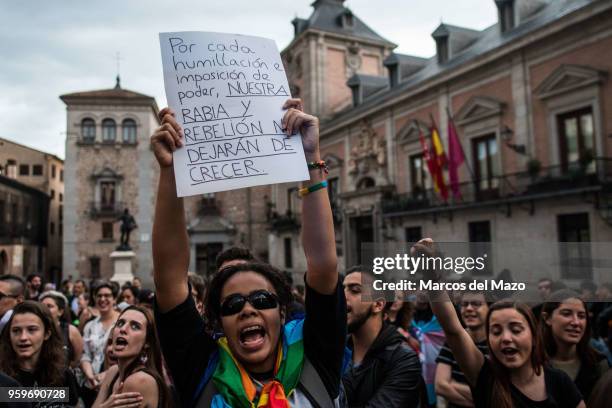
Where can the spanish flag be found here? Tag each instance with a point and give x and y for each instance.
(439, 161)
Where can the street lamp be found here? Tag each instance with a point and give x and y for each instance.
(506, 134)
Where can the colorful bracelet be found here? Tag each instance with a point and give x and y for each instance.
(311, 189)
(320, 165)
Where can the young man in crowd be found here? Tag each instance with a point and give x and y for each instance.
(450, 381)
(12, 292)
(384, 371)
(34, 286)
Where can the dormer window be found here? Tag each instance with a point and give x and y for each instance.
(505, 10)
(442, 49)
(347, 19)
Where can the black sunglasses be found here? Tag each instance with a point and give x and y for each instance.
(259, 299)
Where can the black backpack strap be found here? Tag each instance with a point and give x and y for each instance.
(205, 399)
(313, 386)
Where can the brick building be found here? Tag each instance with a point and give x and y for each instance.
(532, 103)
(45, 173)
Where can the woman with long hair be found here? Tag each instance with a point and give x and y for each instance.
(95, 334)
(566, 329)
(73, 341)
(31, 350)
(137, 378)
(516, 373)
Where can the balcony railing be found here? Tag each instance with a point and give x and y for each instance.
(102, 209)
(547, 181)
(285, 222)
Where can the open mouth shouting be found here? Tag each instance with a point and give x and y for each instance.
(119, 344)
(510, 353)
(252, 337)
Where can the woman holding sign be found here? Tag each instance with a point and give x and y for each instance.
(261, 360)
(516, 373)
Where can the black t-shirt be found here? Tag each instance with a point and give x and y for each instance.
(446, 357)
(29, 379)
(6, 381)
(187, 347)
(560, 390)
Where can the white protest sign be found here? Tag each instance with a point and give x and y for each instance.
(228, 91)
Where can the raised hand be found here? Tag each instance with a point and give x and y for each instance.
(296, 120)
(167, 138)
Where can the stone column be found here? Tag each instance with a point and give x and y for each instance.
(122, 266)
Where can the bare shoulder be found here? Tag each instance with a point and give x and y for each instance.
(141, 382)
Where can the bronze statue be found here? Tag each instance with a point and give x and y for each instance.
(128, 223)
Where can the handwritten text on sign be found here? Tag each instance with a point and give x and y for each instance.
(227, 91)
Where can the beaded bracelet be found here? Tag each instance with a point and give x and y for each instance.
(310, 189)
(320, 165)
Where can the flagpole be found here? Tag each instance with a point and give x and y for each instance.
(467, 162)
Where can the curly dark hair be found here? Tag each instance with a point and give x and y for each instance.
(52, 358)
(273, 275)
(232, 254)
(152, 351)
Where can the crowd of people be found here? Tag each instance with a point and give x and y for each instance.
(248, 336)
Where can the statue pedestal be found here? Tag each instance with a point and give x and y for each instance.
(122, 266)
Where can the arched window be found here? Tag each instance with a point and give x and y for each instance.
(366, 182)
(88, 130)
(129, 131)
(109, 131)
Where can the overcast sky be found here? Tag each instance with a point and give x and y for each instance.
(53, 47)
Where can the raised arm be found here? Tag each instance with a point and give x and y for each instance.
(318, 236)
(469, 358)
(170, 241)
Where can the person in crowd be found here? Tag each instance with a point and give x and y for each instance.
(198, 290)
(136, 282)
(515, 374)
(566, 328)
(451, 384)
(600, 397)
(12, 292)
(129, 295)
(138, 375)
(261, 361)
(34, 285)
(48, 287)
(384, 371)
(31, 350)
(86, 313)
(431, 339)
(77, 290)
(233, 256)
(146, 298)
(403, 321)
(393, 308)
(295, 311)
(72, 339)
(544, 290)
(95, 335)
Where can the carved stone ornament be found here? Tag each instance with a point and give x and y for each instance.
(369, 156)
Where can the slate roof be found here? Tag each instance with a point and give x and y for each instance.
(116, 95)
(327, 16)
(487, 40)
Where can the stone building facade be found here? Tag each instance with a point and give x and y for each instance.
(109, 167)
(530, 97)
(43, 172)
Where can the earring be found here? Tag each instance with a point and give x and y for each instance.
(143, 358)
